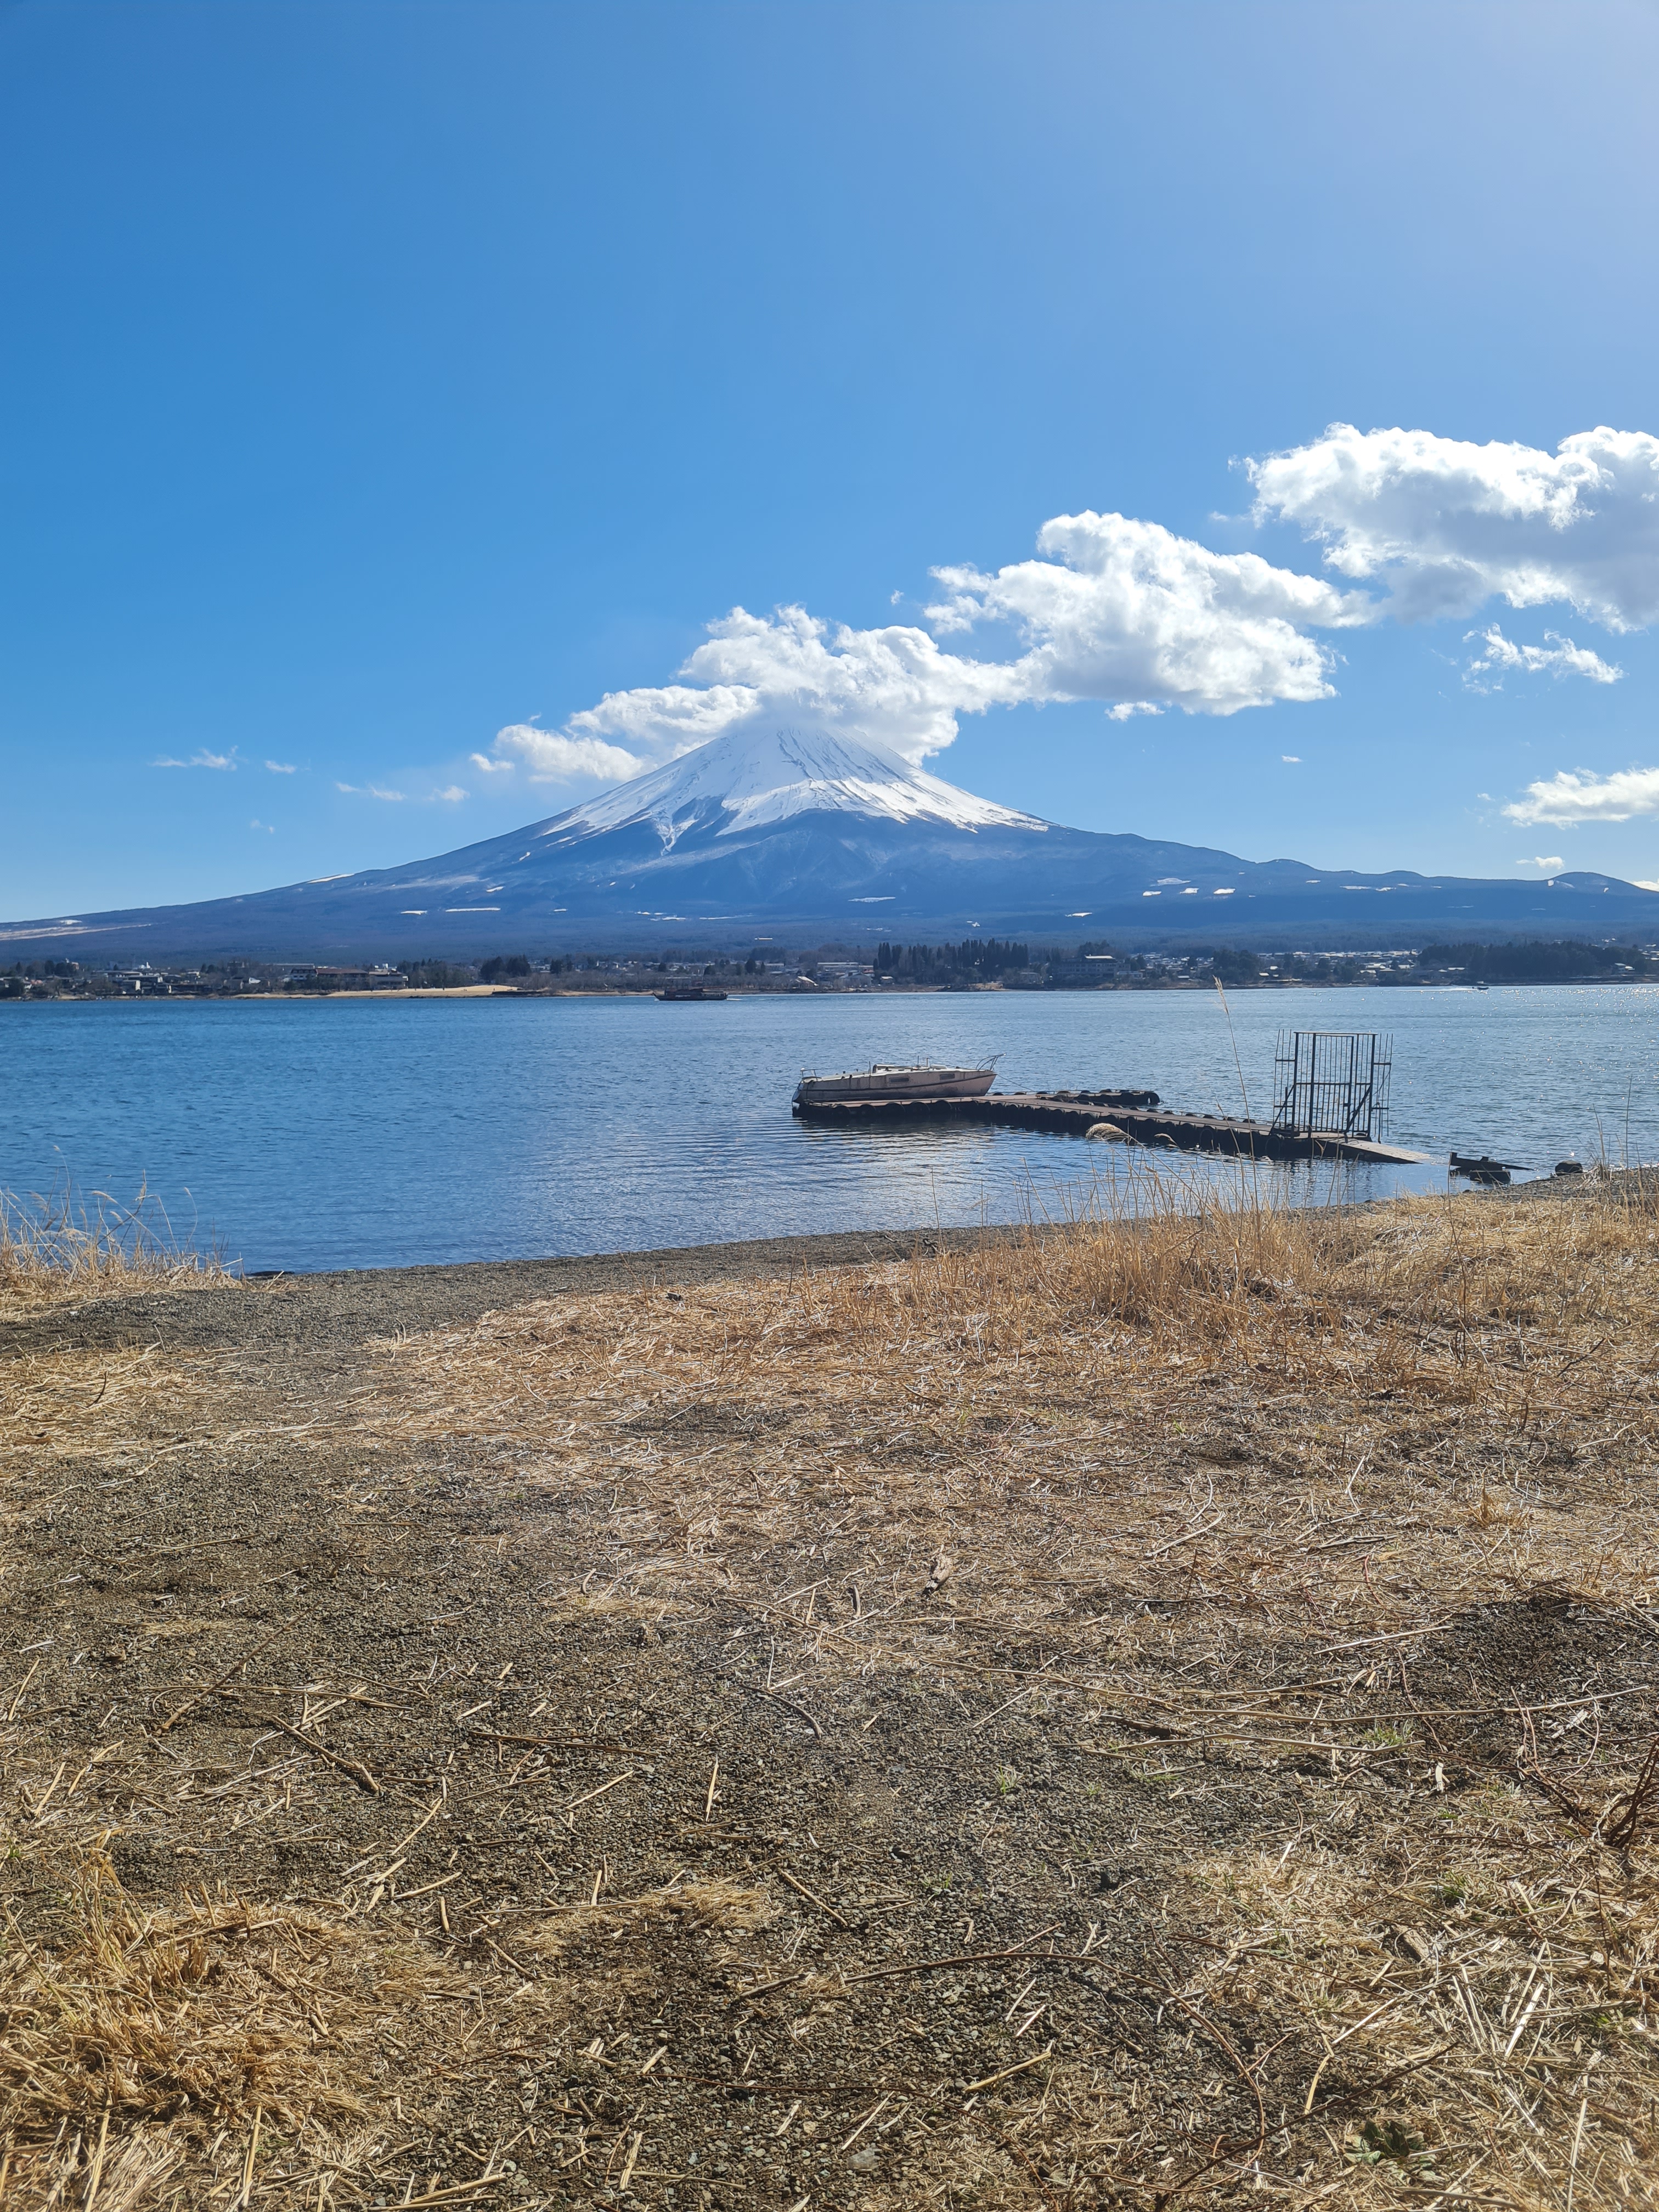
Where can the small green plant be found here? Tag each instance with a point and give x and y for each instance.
(1391, 2143)
(1007, 1779)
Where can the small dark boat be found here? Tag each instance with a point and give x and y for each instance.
(674, 994)
(1484, 1169)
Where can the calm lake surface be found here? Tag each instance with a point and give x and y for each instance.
(365, 1132)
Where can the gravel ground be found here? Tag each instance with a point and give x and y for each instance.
(312, 1311)
(605, 1852)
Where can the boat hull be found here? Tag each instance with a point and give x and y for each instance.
(887, 1083)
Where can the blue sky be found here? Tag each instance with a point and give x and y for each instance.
(386, 385)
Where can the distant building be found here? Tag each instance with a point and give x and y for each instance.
(322, 978)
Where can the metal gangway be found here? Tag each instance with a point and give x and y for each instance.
(1333, 1083)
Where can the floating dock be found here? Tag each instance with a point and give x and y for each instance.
(1074, 1113)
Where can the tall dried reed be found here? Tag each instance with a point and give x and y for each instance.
(1264, 1281)
(57, 1245)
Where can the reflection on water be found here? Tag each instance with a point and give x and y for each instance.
(1056, 1179)
(354, 1134)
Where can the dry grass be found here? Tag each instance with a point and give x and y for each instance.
(144, 2053)
(201, 2009)
(1367, 1356)
(1265, 1523)
(52, 1249)
(725, 1905)
(1275, 1428)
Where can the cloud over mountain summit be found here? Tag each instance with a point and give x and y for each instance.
(1125, 612)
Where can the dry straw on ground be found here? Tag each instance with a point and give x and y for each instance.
(1414, 1374)
(1261, 1613)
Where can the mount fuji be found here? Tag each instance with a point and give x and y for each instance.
(830, 838)
(735, 784)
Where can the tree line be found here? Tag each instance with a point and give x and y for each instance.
(975, 956)
(1536, 961)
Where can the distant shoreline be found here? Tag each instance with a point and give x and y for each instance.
(729, 991)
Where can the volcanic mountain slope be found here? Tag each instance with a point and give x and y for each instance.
(827, 838)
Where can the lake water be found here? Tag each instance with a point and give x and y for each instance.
(370, 1133)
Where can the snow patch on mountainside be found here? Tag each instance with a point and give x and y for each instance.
(753, 779)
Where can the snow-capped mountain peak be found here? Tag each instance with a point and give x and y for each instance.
(755, 778)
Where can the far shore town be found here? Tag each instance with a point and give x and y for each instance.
(976, 964)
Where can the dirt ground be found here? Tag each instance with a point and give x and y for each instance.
(990, 1723)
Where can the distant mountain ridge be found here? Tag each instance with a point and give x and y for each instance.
(823, 838)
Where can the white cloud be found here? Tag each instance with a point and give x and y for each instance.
(1576, 795)
(1291, 760)
(894, 685)
(202, 759)
(1558, 656)
(370, 791)
(1119, 612)
(1127, 612)
(451, 794)
(1451, 524)
(550, 757)
(280, 767)
(1551, 863)
(269, 828)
